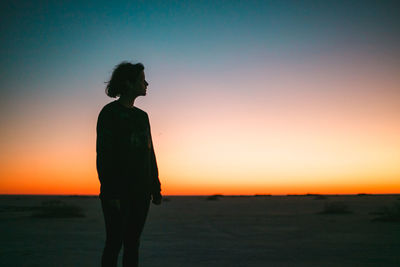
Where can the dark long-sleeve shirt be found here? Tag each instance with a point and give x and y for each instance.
(126, 162)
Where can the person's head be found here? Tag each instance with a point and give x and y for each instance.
(127, 79)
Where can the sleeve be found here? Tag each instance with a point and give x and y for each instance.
(156, 185)
(105, 148)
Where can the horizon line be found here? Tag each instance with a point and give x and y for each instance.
(221, 195)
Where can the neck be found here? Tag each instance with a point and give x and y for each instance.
(127, 101)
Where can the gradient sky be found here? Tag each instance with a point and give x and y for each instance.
(245, 97)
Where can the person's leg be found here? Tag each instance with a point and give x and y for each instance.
(136, 212)
(113, 222)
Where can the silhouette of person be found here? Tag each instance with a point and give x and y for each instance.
(126, 165)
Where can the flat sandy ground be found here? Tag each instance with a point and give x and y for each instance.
(193, 231)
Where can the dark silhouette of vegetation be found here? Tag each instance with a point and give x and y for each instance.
(83, 196)
(320, 197)
(214, 197)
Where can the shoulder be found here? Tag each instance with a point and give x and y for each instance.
(107, 112)
(108, 108)
(141, 112)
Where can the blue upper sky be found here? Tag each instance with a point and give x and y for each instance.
(59, 41)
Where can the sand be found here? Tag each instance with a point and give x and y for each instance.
(194, 231)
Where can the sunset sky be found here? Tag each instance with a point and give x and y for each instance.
(245, 97)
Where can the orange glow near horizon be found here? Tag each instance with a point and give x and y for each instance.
(283, 137)
(240, 156)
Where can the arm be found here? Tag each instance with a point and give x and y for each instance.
(155, 185)
(106, 159)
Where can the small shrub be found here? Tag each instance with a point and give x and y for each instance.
(320, 197)
(335, 208)
(58, 209)
(388, 214)
(214, 197)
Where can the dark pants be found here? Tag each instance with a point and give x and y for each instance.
(124, 223)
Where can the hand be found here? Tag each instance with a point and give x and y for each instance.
(157, 197)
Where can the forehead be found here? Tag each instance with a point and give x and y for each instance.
(141, 75)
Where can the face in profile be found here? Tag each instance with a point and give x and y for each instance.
(141, 85)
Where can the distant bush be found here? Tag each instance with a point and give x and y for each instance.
(214, 197)
(320, 197)
(58, 209)
(335, 208)
(83, 196)
(388, 214)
